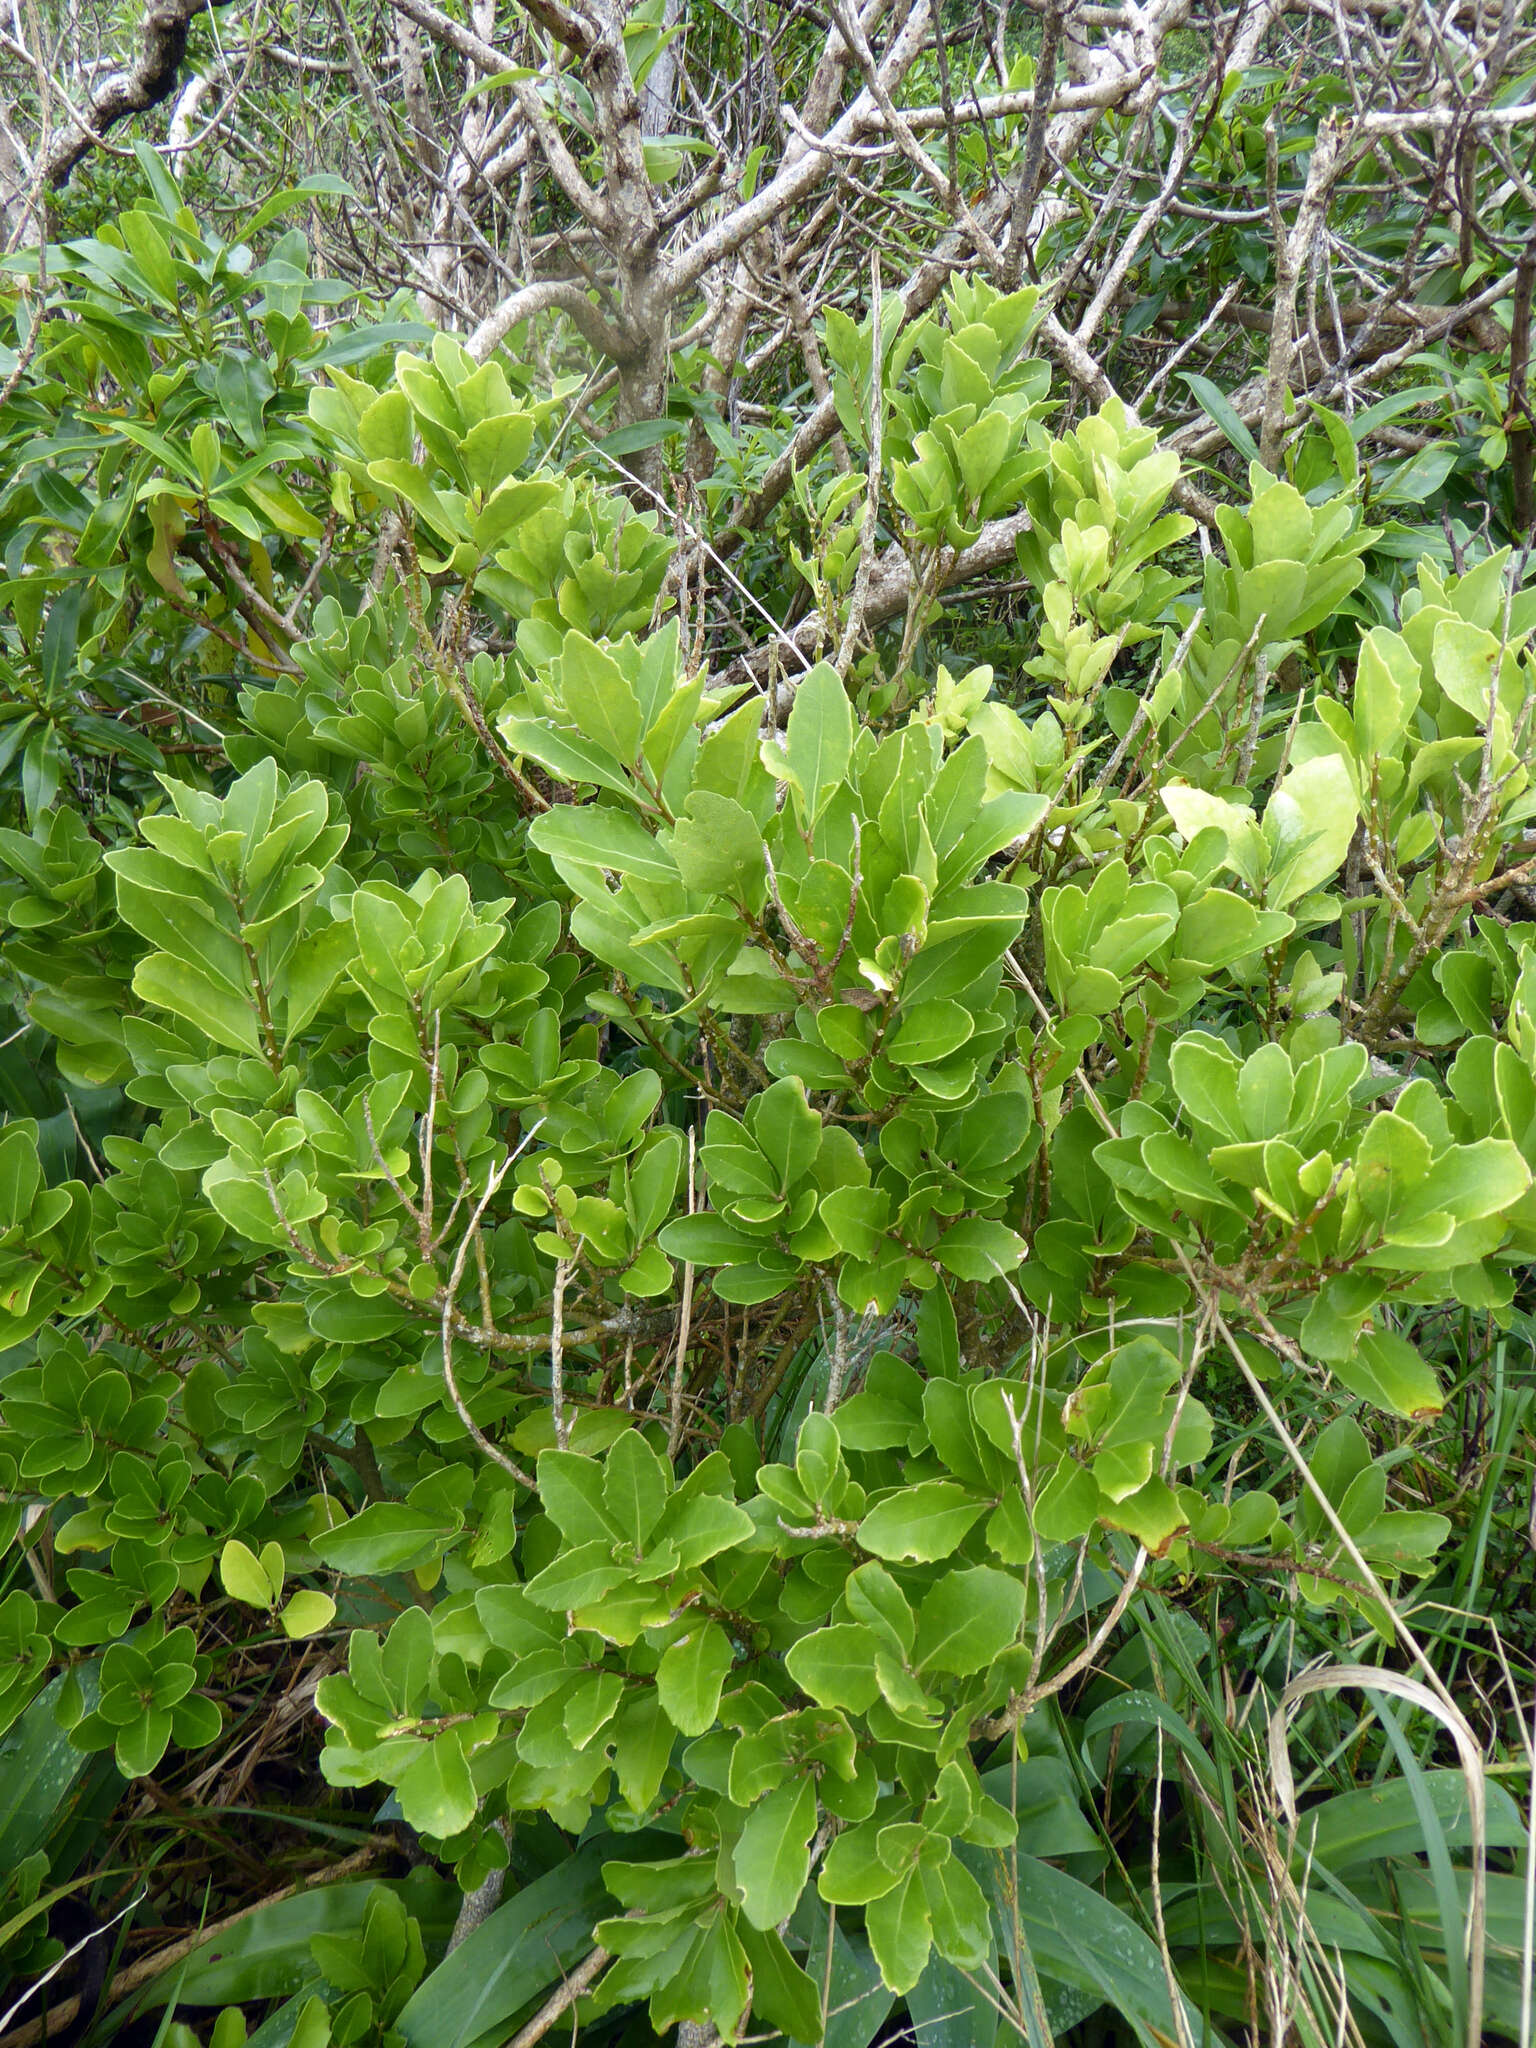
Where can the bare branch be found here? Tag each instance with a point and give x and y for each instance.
(555, 293)
(150, 79)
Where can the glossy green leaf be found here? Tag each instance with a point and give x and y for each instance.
(923, 1522)
(242, 1576)
(437, 1794)
(174, 985)
(966, 1619)
(818, 737)
(690, 1676)
(772, 1856)
(387, 1537)
(836, 1666)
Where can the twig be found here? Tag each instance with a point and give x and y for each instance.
(1027, 188)
(560, 2001)
(493, 1181)
(557, 1354)
(837, 1372)
(685, 1319)
(1001, 1724)
(1290, 254)
(869, 531)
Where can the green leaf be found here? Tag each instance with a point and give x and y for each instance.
(957, 1907)
(642, 1748)
(1470, 1182)
(818, 738)
(387, 1537)
(600, 698)
(734, 1160)
(1153, 1514)
(405, 1659)
(857, 1219)
(313, 970)
(641, 434)
(854, 1871)
(836, 1666)
(195, 1722)
(307, 1613)
(653, 1178)
(1422, 474)
(1067, 1506)
(718, 847)
(982, 450)
(592, 1706)
(39, 1769)
(1216, 406)
(496, 448)
(1079, 1938)
(857, 2001)
(928, 1032)
(564, 754)
(1386, 1370)
(901, 1932)
(939, 1336)
(1181, 1169)
(1205, 1074)
(967, 1619)
(873, 1597)
(571, 1489)
(922, 1523)
(266, 1954)
(635, 1488)
(140, 1746)
(787, 1129)
(1393, 1162)
(597, 836)
(384, 430)
(242, 1577)
(700, 1526)
(1309, 823)
(772, 1858)
(978, 1249)
(143, 236)
(1385, 1820)
(1195, 811)
(404, 477)
(577, 1577)
(705, 1240)
(690, 1676)
(1220, 928)
(950, 2009)
(511, 504)
(782, 1993)
(188, 992)
(1146, 1710)
(436, 1793)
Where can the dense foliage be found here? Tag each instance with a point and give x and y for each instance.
(734, 1330)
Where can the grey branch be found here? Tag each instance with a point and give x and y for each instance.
(890, 592)
(150, 79)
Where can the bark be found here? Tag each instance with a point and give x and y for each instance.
(149, 80)
(645, 296)
(1518, 422)
(416, 93)
(659, 94)
(18, 191)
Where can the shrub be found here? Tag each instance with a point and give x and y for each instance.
(706, 1252)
